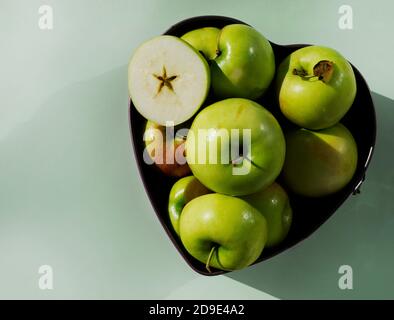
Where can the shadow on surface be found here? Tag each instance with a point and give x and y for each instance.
(360, 234)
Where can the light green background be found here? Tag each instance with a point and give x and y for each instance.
(70, 193)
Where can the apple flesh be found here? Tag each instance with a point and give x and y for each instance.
(182, 192)
(273, 203)
(316, 86)
(168, 80)
(262, 156)
(165, 152)
(242, 60)
(223, 232)
(319, 163)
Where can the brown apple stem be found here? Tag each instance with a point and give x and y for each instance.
(218, 51)
(209, 259)
(300, 72)
(322, 70)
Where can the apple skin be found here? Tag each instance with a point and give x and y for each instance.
(266, 155)
(246, 64)
(319, 163)
(158, 152)
(273, 203)
(242, 63)
(204, 40)
(309, 102)
(182, 192)
(236, 229)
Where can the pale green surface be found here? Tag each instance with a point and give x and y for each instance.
(70, 194)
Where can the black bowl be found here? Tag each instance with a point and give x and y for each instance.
(308, 213)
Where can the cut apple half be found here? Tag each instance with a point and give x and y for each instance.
(168, 80)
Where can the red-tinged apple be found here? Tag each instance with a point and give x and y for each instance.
(165, 151)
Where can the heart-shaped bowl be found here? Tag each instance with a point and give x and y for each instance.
(308, 213)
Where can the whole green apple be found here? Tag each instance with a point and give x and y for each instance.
(273, 203)
(316, 87)
(319, 163)
(242, 59)
(205, 40)
(235, 147)
(222, 231)
(182, 192)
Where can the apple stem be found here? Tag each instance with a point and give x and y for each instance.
(218, 53)
(303, 74)
(323, 71)
(209, 259)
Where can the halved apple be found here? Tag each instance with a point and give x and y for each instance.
(168, 80)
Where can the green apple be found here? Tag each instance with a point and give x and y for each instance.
(182, 192)
(235, 147)
(242, 60)
(168, 80)
(319, 163)
(316, 87)
(223, 232)
(165, 151)
(273, 203)
(205, 40)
